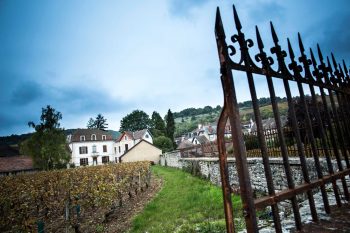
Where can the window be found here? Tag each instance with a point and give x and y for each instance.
(83, 150)
(82, 138)
(116, 159)
(104, 148)
(94, 149)
(115, 150)
(93, 137)
(84, 161)
(104, 137)
(120, 149)
(125, 138)
(146, 136)
(126, 147)
(105, 159)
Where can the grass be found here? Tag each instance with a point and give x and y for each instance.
(185, 204)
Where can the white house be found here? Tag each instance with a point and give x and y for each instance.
(129, 139)
(94, 146)
(91, 147)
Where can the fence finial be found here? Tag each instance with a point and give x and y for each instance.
(290, 50)
(346, 71)
(301, 46)
(273, 32)
(219, 28)
(313, 59)
(334, 62)
(329, 67)
(237, 21)
(258, 38)
(319, 53)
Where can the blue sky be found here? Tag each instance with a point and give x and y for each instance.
(85, 57)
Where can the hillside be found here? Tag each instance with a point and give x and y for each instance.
(189, 118)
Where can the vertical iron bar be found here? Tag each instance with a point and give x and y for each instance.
(282, 143)
(308, 126)
(321, 128)
(300, 147)
(231, 112)
(262, 141)
(340, 135)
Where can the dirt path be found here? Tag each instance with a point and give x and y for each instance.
(122, 218)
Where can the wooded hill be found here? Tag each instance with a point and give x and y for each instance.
(189, 118)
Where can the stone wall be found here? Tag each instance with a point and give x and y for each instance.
(209, 168)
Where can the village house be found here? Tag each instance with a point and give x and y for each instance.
(95, 146)
(91, 147)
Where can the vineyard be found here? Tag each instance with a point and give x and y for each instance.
(73, 199)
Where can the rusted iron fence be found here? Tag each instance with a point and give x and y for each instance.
(324, 130)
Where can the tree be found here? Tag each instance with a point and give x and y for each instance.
(137, 120)
(91, 123)
(164, 143)
(47, 146)
(301, 117)
(158, 125)
(170, 125)
(99, 123)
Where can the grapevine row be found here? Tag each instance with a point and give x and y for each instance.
(72, 195)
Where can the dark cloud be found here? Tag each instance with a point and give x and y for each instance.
(26, 92)
(335, 35)
(183, 8)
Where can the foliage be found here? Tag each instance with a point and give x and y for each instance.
(170, 125)
(157, 125)
(49, 119)
(301, 117)
(164, 143)
(197, 111)
(47, 146)
(251, 141)
(184, 204)
(99, 123)
(27, 198)
(137, 120)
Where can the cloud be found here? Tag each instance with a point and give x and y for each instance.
(26, 92)
(183, 8)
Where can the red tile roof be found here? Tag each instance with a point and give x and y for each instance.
(15, 163)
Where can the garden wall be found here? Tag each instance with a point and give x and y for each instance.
(209, 168)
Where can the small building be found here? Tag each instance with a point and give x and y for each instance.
(128, 139)
(142, 151)
(13, 165)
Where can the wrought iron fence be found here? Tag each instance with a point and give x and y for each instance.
(325, 124)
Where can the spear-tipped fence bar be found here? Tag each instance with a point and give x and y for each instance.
(330, 114)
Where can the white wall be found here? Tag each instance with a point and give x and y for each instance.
(76, 156)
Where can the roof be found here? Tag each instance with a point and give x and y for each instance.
(132, 148)
(133, 135)
(139, 134)
(185, 144)
(202, 139)
(16, 163)
(88, 132)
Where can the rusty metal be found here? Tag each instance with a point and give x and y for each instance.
(333, 127)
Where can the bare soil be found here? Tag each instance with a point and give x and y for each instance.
(120, 220)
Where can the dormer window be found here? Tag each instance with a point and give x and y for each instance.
(104, 137)
(93, 137)
(82, 138)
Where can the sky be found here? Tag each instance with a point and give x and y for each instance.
(85, 57)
